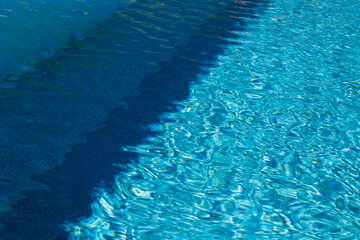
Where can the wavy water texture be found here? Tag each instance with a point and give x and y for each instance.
(64, 124)
(31, 30)
(267, 146)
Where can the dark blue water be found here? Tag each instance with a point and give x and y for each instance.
(63, 125)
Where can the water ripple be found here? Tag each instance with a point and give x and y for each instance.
(265, 147)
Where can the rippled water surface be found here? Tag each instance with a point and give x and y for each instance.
(31, 30)
(64, 124)
(266, 146)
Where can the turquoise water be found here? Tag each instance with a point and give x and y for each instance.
(267, 145)
(63, 125)
(32, 30)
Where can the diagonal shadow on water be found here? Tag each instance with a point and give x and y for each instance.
(177, 45)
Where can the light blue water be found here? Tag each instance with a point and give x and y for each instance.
(267, 146)
(31, 30)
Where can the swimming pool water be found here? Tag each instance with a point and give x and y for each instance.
(266, 146)
(258, 134)
(64, 124)
(32, 30)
